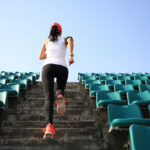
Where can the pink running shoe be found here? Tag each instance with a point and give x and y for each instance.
(61, 108)
(49, 131)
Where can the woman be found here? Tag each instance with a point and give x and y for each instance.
(53, 51)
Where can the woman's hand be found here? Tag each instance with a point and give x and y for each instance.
(71, 61)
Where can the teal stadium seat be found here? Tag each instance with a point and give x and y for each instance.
(3, 81)
(121, 117)
(147, 82)
(123, 78)
(12, 89)
(3, 98)
(123, 88)
(90, 82)
(81, 75)
(105, 78)
(94, 88)
(98, 75)
(112, 82)
(133, 82)
(141, 98)
(103, 99)
(139, 137)
(143, 87)
(28, 77)
(23, 83)
(149, 109)
(142, 78)
(3, 73)
(87, 78)
(9, 78)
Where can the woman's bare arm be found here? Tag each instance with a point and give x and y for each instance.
(70, 44)
(42, 52)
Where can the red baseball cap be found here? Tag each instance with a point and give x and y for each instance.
(59, 28)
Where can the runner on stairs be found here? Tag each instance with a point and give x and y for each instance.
(53, 51)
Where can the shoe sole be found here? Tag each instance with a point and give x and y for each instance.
(61, 107)
(48, 136)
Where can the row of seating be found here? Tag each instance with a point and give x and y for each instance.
(123, 113)
(80, 75)
(12, 84)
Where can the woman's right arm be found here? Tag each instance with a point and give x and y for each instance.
(43, 55)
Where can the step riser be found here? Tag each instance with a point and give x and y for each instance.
(42, 118)
(62, 133)
(42, 97)
(50, 144)
(41, 112)
(67, 107)
(41, 124)
(35, 103)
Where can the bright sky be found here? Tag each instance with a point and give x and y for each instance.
(109, 35)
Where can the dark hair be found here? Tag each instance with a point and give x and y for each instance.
(53, 36)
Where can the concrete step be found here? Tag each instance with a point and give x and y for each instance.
(41, 124)
(32, 97)
(78, 143)
(34, 103)
(39, 96)
(40, 111)
(18, 133)
(56, 117)
(67, 107)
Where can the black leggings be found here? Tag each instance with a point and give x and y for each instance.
(49, 72)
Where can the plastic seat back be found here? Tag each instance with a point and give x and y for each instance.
(139, 137)
(108, 96)
(143, 87)
(127, 87)
(3, 97)
(123, 78)
(112, 82)
(141, 96)
(133, 82)
(106, 78)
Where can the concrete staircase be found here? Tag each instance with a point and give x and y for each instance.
(78, 127)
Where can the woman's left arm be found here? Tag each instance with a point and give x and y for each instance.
(42, 52)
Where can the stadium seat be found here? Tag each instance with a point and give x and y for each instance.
(90, 82)
(142, 78)
(103, 99)
(12, 89)
(141, 98)
(147, 82)
(123, 88)
(143, 87)
(28, 77)
(88, 78)
(121, 117)
(133, 82)
(149, 109)
(105, 78)
(94, 88)
(23, 83)
(81, 75)
(123, 78)
(112, 82)
(3, 81)
(3, 98)
(139, 137)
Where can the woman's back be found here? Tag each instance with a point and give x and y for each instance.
(56, 52)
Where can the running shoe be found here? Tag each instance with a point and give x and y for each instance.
(49, 131)
(61, 108)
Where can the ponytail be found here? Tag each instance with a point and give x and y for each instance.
(53, 36)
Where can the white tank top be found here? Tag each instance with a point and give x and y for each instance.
(56, 52)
